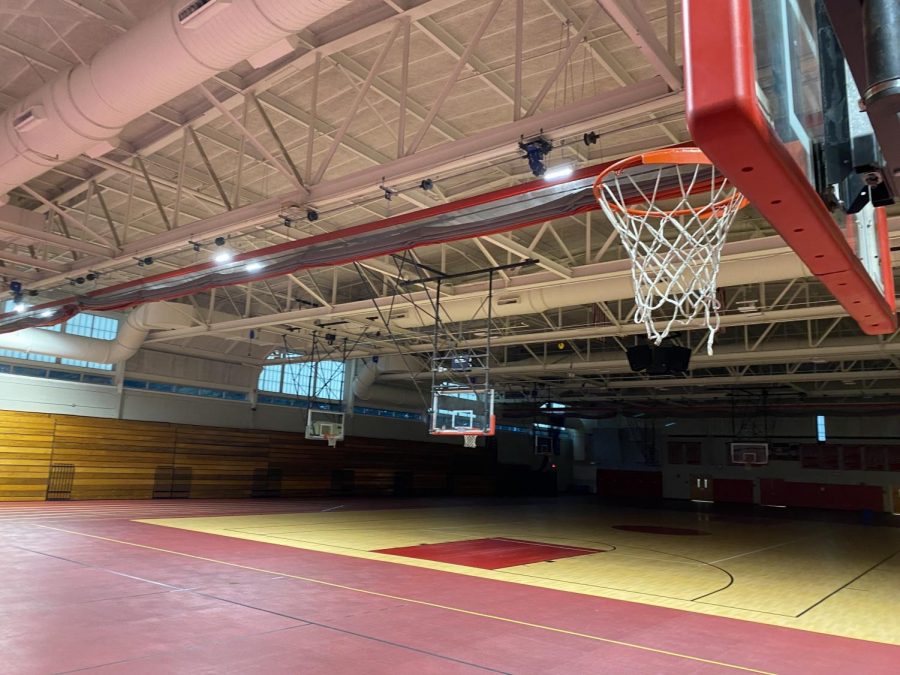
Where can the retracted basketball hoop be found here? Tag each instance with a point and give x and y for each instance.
(672, 211)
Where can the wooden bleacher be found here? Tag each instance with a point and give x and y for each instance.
(96, 458)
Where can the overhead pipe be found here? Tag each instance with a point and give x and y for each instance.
(179, 47)
(781, 351)
(133, 330)
(614, 284)
(365, 389)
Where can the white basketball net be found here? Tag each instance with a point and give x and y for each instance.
(470, 441)
(675, 251)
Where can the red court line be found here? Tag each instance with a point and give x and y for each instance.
(495, 624)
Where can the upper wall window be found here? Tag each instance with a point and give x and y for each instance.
(320, 379)
(86, 325)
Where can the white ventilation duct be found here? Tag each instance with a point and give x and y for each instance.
(369, 371)
(133, 331)
(615, 284)
(179, 47)
(389, 396)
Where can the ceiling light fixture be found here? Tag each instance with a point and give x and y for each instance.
(20, 307)
(254, 266)
(223, 257)
(559, 172)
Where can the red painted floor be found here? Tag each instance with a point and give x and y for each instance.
(489, 554)
(84, 588)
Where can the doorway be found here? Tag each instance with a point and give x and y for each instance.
(701, 488)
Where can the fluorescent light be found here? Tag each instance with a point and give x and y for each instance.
(558, 172)
(46, 313)
(223, 257)
(254, 267)
(20, 307)
(670, 424)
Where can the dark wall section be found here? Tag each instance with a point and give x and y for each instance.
(822, 496)
(629, 484)
(733, 491)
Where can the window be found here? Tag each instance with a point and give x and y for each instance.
(820, 428)
(553, 405)
(86, 325)
(320, 379)
(168, 388)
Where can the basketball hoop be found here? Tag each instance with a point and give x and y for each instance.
(331, 440)
(470, 440)
(672, 211)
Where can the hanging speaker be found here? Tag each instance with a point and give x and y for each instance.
(662, 360)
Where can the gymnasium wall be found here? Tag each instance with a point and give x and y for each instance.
(838, 474)
(36, 394)
(76, 457)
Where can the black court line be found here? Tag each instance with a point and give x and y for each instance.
(840, 588)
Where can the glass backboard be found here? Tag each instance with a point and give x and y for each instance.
(325, 425)
(457, 411)
(772, 102)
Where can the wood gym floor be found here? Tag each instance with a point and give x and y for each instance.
(440, 586)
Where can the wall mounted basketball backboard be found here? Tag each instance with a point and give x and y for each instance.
(773, 103)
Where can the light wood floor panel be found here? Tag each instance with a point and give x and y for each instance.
(841, 579)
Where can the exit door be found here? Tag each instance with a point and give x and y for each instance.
(702, 488)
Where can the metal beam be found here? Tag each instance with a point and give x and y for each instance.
(360, 95)
(509, 244)
(28, 261)
(632, 20)
(453, 76)
(476, 149)
(34, 231)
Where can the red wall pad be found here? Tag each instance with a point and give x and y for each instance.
(839, 497)
(732, 490)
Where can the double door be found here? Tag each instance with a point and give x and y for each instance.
(701, 488)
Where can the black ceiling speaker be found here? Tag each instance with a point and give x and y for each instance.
(662, 360)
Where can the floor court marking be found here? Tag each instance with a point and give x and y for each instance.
(425, 603)
(767, 548)
(856, 578)
(386, 557)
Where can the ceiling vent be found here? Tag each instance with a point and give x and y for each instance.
(29, 119)
(198, 12)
